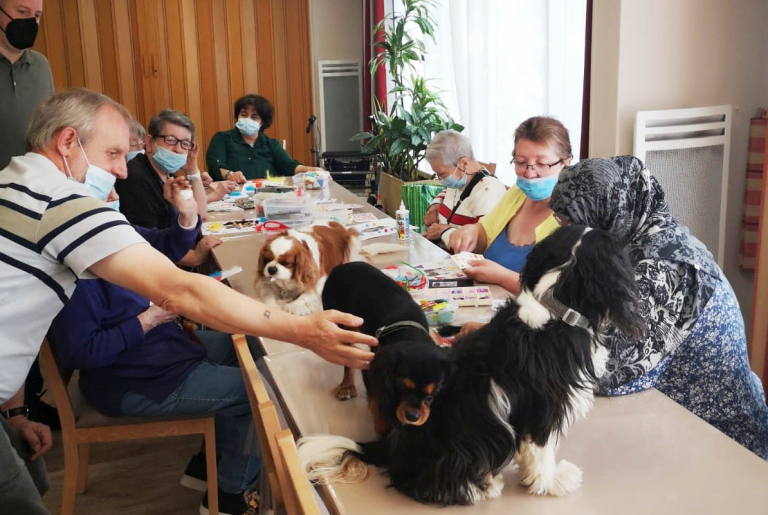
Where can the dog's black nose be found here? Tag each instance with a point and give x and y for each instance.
(272, 270)
(412, 416)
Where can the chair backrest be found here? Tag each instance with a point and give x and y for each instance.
(491, 167)
(57, 381)
(265, 416)
(297, 492)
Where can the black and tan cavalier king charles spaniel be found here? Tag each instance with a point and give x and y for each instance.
(516, 385)
(408, 369)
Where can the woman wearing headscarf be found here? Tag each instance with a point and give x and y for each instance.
(694, 350)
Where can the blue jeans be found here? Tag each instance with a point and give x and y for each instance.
(215, 386)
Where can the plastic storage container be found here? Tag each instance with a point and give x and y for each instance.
(292, 211)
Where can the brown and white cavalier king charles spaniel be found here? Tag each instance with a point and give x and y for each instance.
(294, 265)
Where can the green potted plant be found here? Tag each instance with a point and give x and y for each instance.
(400, 137)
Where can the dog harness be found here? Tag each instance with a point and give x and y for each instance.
(566, 314)
(391, 328)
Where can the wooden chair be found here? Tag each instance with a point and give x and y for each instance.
(265, 419)
(82, 424)
(491, 167)
(297, 492)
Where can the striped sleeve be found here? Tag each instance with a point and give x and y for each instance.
(78, 231)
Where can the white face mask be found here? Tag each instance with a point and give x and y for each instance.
(133, 153)
(98, 181)
(248, 127)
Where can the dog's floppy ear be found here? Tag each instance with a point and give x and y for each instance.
(304, 268)
(382, 380)
(606, 279)
(262, 261)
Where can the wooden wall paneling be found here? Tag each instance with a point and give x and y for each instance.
(105, 22)
(52, 24)
(192, 74)
(90, 45)
(162, 86)
(281, 100)
(221, 67)
(264, 49)
(234, 52)
(299, 71)
(140, 64)
(145, 40)
(207, 78)
(250, 56)
(124, 58)
(74, 55)
(176, 70)
(41, 43)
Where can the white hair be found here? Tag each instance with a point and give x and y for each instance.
(75, 108)
(447, 147)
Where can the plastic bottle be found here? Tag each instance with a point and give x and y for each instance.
(403, 219)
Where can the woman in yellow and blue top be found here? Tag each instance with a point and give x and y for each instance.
(245, 152)
(522, 217)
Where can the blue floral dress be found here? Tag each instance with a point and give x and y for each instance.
(695, 348)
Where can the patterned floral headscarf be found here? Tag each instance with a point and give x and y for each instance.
(676, 274)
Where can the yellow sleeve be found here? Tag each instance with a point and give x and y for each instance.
(547, 227)
(495, 221)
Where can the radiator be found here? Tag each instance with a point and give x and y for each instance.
(688, 150)
(341, 104)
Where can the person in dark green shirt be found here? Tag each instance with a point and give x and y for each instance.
(245, 152)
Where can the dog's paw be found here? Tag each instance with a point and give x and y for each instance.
(344, 392)
(494, 486)
(565, 479)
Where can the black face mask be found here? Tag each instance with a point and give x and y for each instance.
(20, 32)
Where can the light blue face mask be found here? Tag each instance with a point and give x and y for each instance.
(99, 182)
(452, 182)
(539, 188)
(133, 153)
(168, 161)
(248, 127)
(115, 204)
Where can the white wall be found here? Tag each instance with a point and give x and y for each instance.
(666, 54)
(337, 33)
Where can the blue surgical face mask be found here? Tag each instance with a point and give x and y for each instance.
(539, 188)
(115, 204)
(133, 153)
(452, 182)
(168, 161)
(248, 127)
(98, 181)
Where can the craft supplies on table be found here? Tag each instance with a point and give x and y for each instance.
(291, 210)
(444, 274)
(407, 276)
(376, 228)
(462, 259)
(469, 296)
(438, 311)
(242, 226)
(223, 206)
(313, 180)
(224, 274)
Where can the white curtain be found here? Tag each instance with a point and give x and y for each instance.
(499, 62)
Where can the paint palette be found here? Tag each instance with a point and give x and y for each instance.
(244, 226)
(461, 295)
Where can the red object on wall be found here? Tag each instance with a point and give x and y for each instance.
(380, 80)
(758, 134)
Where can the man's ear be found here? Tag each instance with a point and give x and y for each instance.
(66, 141)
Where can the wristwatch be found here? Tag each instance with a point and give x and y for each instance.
(21, 410)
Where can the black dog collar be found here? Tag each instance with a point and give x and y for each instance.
(391, 328)
(566, 314)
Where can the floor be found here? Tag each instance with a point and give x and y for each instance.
(129, 478)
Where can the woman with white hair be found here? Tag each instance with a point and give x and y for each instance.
(470, 190)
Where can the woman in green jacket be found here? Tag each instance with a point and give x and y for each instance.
(245, 153)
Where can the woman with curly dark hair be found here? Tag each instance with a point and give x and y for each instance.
(245, 152)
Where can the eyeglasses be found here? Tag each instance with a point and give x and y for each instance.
(173, 140)
(536, 167)
(137, 146)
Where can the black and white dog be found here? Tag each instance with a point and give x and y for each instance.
(516, 386)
